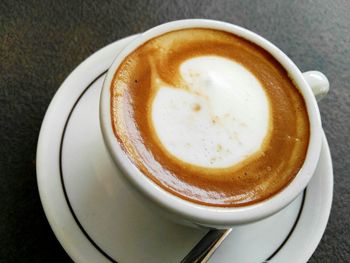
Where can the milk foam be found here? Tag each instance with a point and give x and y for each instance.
(218, 120)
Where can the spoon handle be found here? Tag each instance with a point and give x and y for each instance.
(204, 249)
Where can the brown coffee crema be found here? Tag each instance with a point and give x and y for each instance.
(260, 175)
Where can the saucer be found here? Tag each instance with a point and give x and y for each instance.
(96, 217)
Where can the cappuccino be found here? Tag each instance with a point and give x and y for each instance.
(209, 117)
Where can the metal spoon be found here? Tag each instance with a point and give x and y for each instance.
(205, 248)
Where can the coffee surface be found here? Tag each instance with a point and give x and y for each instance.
(210, 117)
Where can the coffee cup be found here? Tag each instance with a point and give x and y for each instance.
(210, 209)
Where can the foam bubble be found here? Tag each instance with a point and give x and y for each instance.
(219, 119)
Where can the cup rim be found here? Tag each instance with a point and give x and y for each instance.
(201, 214)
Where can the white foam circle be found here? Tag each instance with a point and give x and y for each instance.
(220, 119)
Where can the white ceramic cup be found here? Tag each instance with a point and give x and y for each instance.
(311, 84)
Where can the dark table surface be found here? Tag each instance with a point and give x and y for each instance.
(42, 42)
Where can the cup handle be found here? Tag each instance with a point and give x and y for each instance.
(318, 83)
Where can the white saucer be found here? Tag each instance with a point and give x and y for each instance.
(96, 218)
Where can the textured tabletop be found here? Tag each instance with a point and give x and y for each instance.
(42, 42)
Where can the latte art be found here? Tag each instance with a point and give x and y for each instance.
(209, 117)
(218, 119)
